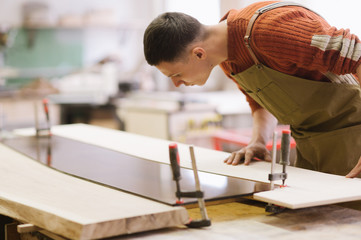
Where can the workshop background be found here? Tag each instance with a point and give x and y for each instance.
(86, 58)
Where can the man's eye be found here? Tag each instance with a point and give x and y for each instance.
(175, 76)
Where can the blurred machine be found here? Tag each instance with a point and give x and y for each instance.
(190, 118)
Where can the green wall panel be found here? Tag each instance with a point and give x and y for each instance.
(46, 48)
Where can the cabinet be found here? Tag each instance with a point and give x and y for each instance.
(20, 112)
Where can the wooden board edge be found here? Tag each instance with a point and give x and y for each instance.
(263, 197)
(36, 217)
(177, 217)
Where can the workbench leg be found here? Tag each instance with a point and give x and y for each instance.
(11, 232)
(3, 221)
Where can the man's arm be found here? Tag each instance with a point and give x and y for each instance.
(264, 124)
(357, 169)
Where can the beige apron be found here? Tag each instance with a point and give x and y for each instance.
(325, 118)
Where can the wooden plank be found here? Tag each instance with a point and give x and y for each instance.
(305, 188)
(27, 227)
(309, 188)
(75, 208)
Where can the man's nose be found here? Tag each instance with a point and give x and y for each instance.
(176, 82)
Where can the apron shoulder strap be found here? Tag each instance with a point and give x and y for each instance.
(247, 37)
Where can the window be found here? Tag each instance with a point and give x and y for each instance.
(206, 11)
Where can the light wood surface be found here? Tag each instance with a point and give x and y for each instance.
(305, 188)
(75, 208)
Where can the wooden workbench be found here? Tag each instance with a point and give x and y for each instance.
(248, 221)
(238, 220)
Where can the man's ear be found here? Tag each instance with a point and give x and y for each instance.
(199, 53)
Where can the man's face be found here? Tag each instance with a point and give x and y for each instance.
(190, 72)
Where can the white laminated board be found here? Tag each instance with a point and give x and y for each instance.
(72, 207)
(305, 188)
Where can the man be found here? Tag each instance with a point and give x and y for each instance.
(291, 64)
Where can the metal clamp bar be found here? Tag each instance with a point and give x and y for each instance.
(201, 203)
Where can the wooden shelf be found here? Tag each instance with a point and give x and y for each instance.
(137, 25)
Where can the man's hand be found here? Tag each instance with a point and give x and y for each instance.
(355, 171)
(264, 124)
(253, 150)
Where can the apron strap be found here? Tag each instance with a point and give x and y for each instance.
(247, 37)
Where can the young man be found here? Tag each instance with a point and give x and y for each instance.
(291, 64)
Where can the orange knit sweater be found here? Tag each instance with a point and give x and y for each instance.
(291, 40)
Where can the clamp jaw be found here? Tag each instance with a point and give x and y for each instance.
(277, 176)
(42, 132)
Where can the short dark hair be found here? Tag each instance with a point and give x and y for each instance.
(168, 35)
